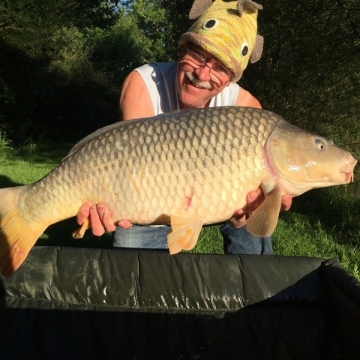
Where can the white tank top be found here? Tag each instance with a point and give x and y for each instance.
(160, 80)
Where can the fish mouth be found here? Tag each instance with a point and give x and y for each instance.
(347, 170)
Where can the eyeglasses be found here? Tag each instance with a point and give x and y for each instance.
(197, 59)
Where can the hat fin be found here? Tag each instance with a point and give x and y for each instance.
(258, 49)
(198, 7)
(249, 4)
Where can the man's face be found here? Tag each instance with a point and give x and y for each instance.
(200, 77)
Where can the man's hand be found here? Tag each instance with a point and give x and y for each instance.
(100, 218)
(253, 200)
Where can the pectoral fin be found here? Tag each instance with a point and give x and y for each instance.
(264, 219)
(79, 233)
(184, 234)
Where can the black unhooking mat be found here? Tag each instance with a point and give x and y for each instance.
(71, 303)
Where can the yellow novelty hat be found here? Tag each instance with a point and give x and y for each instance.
(227, 30)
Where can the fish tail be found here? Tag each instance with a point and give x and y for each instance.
(17, 237)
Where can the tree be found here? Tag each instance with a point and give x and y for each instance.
(44, 47)
(308, 72)
(62, 63)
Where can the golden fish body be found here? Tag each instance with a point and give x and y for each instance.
(186, 168)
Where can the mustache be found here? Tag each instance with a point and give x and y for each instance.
(198, 83)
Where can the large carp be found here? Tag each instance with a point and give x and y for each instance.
(186, 168)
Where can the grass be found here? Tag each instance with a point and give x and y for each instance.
(296, 235)
(5, 146)
(322, 223)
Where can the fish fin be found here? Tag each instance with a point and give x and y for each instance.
(184, 234)
(263, 220)
(80, 232)
(17, 237)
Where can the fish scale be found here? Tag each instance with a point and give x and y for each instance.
(187, 168)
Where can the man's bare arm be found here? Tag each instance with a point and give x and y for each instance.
(135, 101)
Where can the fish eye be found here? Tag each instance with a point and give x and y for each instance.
(210, 24)
(244, 49)
(320, 144)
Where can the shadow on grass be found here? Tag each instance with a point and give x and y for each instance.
(59, 234)
(337, 211)
(7, 182)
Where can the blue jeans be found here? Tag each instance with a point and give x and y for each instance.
(145, 237)
(240, 241)
(236, 241)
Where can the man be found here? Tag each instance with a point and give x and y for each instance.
(213, 54)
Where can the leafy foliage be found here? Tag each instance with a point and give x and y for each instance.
(63, 62)
(5, 148)
(309, 72)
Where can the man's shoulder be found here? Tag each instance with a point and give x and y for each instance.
(227, 96)
(153, 68)
(160, 81)
(234, 86)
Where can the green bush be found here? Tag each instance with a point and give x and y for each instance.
(5, 148)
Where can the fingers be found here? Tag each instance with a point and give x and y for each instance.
(125, 224)
(97, 227)
(83, 213)
(286, 202)
(254, 199)
(239, 219)
(99, 215)
(105, 218)
(101, 219)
